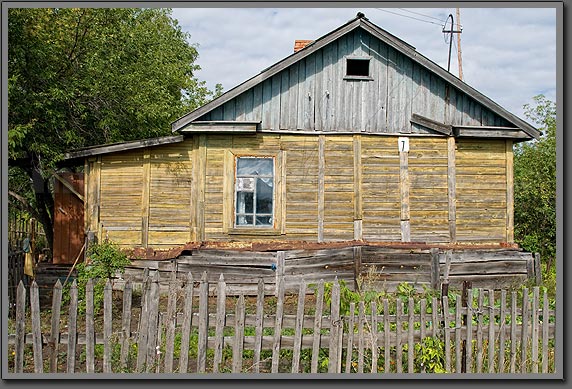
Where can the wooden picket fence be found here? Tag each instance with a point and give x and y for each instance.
(315, 331)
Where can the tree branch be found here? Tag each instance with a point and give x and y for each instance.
(25, 204)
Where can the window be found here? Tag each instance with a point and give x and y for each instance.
(357, 67)
(254, 192)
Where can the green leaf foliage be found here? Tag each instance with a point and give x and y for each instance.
(79, 77)
(535, 183)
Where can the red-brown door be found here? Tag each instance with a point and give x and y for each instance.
(69, 232)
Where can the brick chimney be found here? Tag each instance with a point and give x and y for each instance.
(299, 44)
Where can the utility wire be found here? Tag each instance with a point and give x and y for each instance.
(420, 14)
(411, 17)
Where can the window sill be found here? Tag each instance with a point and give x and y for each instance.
(358, 78)
(253, 231)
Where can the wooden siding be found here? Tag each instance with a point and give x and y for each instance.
(380, 189)
(121, 193)
(481, 190)
(312, 95)
(327, 188)
(429, 207)
(170, 194)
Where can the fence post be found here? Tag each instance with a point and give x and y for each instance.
(72, 328)
(55, 329)
(357, 265)
(279, 312)
(107, 325)
(89, 328)
(203, 324)
(537, 269)
(280, 256)
(220, 319)
(335, 327)
(435, 271)
(20, 328)
(464, 299)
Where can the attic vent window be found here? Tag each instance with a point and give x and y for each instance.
(357, 68)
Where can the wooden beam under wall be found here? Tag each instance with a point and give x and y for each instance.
(452, 190)
(404, 191)
(145, 198)
(509, 192)
(321, 185)
(358, 207)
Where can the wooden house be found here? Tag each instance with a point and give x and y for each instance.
(354, 140)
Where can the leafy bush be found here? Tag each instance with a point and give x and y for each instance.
(104, 261)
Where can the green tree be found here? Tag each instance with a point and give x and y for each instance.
(535, 184)
(84, 76)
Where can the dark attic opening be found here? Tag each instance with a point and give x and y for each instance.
(357, 67)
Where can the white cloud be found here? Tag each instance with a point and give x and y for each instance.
(508, 54)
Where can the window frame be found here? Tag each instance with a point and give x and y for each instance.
(254, 214)
(367, 58)
(229, 203)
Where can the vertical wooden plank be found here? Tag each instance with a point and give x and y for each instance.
(336, 325)
(187, 323)
(435, 268)
(545, 323)
(350, 341)
(276, 101)
(238, 335)
(293, 97)
(458, 334)
(321, 185)
(386, 339)
(72, 328)
(398, 331)
(143, 323)
(509, 192)
(373, 334)
(434, 308)
(220, 323)
(107, 326)
(513, 340)
(203, 324)
(361, 340)
(20, 328)
(357, 265)
(284, 107)
(259, 325)
(145, 197)
(491, 331)
(281, 191)
(524, 331)
(502, 335)
(171, 320)
(126, 324)
(89, 328)
(537, 269)
(447, 333)
(199, 180)
(534, 328)
(469, 349)
(410, 327)
(317, 327)
(153, 304)
(452, 188)
(160, 323)
(266, 104)
(279, 316)
(480, 318)
(280, 256)
(358, 203)
(55, 326)
(36, 328)
(422, 318)
(404, 192)
(299, 328)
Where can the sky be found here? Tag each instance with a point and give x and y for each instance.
(508, 54)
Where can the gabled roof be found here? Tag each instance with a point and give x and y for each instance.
(358, 22)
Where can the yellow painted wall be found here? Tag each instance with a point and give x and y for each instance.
(173, 187)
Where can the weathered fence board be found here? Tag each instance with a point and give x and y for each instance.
(352, 341)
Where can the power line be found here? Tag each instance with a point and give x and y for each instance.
(420, 14)
(411, 17)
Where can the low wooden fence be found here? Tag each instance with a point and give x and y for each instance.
(193, 330)
(385, 267)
